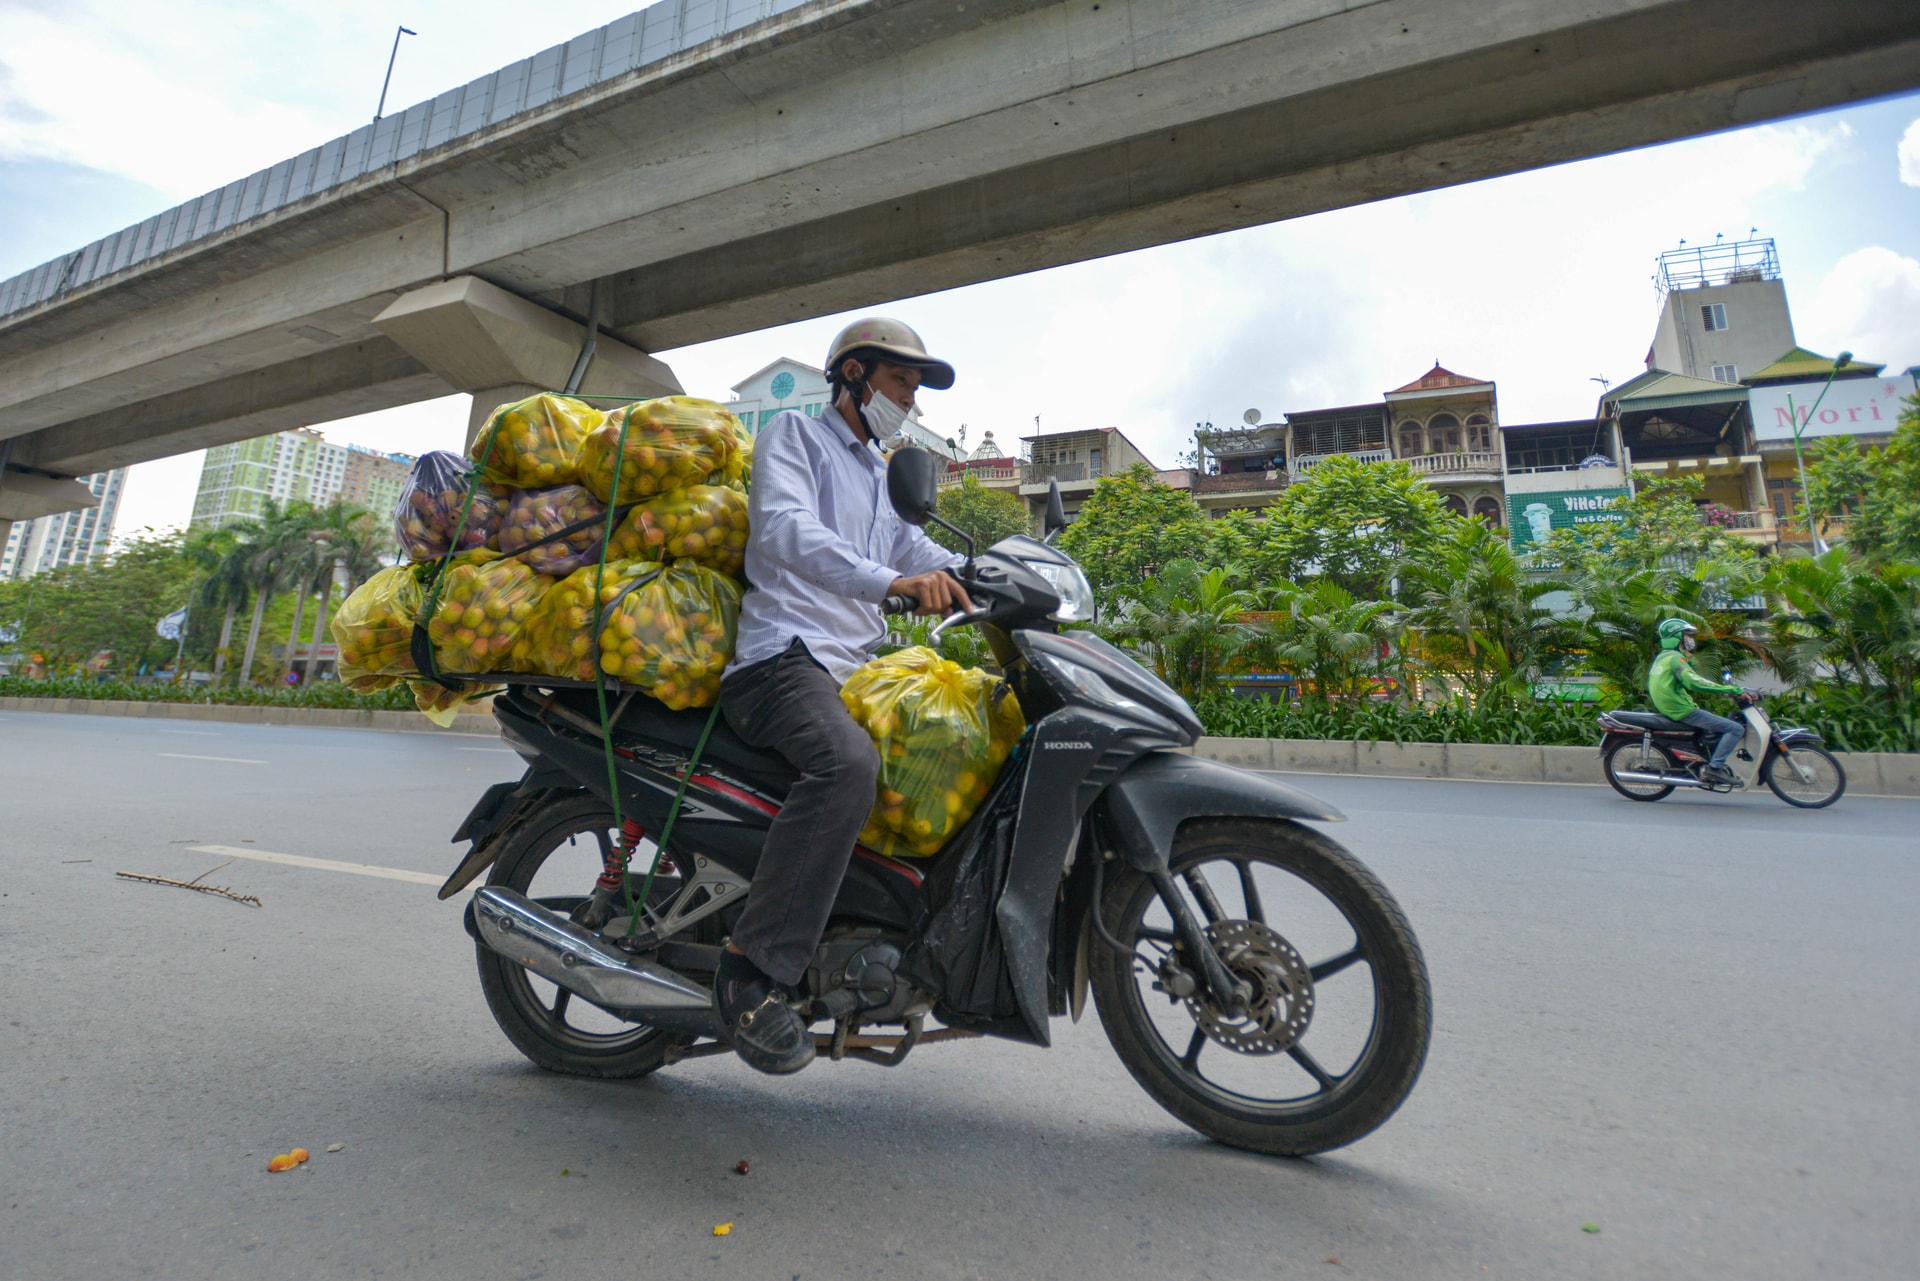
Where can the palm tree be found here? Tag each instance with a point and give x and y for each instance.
(1624, 606)
(213, 554)
(1190, 623)
(1477, 613)
(1864, 625)
(272, 540)
(1329, 640)
(350, 538)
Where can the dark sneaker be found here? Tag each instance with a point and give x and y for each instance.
(766, 1033)
(1721, 777)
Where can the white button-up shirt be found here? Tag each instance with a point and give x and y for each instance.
(824, 546)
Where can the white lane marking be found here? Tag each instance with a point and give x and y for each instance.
(196, 733)
(319, 864)
(230, 760)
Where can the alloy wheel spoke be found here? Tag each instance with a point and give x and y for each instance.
(1334, 964)
(1191, 1059)
(1298, 1053)
(1250, 894)
(562, 997)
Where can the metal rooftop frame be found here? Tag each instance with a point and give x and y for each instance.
(626, 44)
(1724, 262)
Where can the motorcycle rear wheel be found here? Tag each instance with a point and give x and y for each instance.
(1626, 756)
(1829, 782)
(553, 859)
(1338, 920)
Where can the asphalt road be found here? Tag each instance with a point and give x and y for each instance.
(1693, 1025)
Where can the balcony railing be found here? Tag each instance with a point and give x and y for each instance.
(1238, 482)
(1760, 526)
(1476, 463)
(1305, 463)
(985, 475)
(1065, 473)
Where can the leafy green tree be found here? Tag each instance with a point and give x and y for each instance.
(1131, 527)
(1663, 528)
(1622, 606)
(1838, 476)
(1349, 521)
(1884, 486)
(1476, 614)
(1330, 641)
(107, 606)
(1189, 623)
(989, 515)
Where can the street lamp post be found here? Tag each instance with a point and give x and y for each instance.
(1799, 460)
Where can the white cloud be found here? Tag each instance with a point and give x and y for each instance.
(1869, 304)
(1909, 155)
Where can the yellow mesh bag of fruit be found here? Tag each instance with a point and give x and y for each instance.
(705, 524)
(485, 602)
(738, 470)
(557, 639)
(943, 731)
(672, 634)
(537, 443)
(672, 442)
(374, 629)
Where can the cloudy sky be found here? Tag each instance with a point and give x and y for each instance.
(110, 112)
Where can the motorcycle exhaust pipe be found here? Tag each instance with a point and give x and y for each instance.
(507, 922)
(1670, 780)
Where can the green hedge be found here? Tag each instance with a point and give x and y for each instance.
(330, 694)
(1547, 721)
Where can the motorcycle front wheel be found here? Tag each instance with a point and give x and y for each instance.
(1824, 784)
(1341, 1015)
(1629, 757)
(554, 859)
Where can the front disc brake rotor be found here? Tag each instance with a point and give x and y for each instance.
(1282, 1003)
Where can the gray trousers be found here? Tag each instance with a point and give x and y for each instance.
(789, 705)
(1730, 732)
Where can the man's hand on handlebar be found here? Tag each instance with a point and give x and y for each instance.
(939, 593)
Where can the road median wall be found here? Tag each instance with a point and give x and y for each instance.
(1868, 773)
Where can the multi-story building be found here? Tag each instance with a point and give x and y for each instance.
(294, 467)
(1078, 459)
(1673, 425)
(1723, 310)
(989, 463)
(1445, 427)
(1560, 476)
(66, 538)
(1861, 401)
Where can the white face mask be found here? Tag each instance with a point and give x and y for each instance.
(885, 418)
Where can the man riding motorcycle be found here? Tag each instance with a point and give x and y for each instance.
(1668, 682)
(825, 549)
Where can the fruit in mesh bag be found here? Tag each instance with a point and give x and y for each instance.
(482, 610)
(739, 468)
(533, 514)
(706, 524)
(441, 704)
(557, 639)
(672, 443)
(673, 635)
(535, 442)
(430, 505)
(943, 732)
(374, 629)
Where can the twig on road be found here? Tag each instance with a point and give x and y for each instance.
(194, 884)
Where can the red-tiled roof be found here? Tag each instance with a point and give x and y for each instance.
(1438, 379)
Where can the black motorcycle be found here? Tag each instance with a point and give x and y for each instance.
(1645, 756)
(1255, 978)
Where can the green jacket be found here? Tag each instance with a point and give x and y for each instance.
(1669, 679)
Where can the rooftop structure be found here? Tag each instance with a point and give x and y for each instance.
(1724, 262)
(1723, 310)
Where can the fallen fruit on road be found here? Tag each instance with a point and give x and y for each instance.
(722, 1229)
(284, 1161)
(300, 1155)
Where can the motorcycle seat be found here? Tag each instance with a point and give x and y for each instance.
(645, 718)
(1652, 721)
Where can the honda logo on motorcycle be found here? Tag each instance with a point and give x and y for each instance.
(1061, 747)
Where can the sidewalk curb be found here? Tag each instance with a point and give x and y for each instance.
(1868, 773)
(476, 724)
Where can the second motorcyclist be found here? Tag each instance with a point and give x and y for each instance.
(1670, 682)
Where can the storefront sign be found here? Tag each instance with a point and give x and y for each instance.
(1851, 407)
(1531, 517)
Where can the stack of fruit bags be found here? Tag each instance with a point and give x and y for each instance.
(943, 731)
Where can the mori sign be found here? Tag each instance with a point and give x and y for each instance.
(1531, 517)
(1851, 407)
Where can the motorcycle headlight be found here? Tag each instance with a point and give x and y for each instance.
(1071, 586)
(1089, 684)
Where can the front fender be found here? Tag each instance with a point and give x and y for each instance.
(1145, 806)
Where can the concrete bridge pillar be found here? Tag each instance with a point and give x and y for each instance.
(502, 348)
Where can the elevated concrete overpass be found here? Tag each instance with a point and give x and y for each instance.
(718, 166)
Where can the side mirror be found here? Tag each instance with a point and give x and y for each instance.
(1056, 512)
(913, 484)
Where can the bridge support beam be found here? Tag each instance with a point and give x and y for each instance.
(502, 348)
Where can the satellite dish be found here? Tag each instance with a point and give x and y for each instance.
(1251, 418)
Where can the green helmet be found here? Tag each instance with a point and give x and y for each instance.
(1673, 631)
